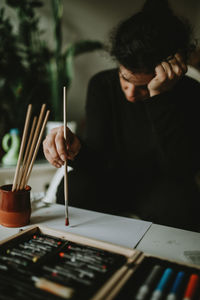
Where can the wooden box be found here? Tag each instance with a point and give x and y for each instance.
(40, 263)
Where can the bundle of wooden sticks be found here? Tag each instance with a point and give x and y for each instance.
(29, 147)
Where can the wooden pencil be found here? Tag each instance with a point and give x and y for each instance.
(23, 143)
(24, 168)
(27, 151)
(36, 148)
(34, 141)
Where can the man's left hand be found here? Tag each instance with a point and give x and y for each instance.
(168, 73)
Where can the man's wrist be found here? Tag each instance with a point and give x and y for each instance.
(154, 93)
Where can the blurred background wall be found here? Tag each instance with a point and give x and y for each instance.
(94, 19)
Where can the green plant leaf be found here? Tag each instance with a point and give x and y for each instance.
(30, 71)
(75, 49)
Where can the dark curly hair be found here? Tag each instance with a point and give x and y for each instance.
(150, 36)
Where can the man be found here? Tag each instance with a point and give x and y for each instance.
(141, 148)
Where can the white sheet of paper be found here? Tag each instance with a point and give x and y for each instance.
(122, 231)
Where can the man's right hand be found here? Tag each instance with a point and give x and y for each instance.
(57, 150)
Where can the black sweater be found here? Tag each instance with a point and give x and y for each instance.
(160, 135)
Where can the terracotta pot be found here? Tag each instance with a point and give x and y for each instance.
(15, 207)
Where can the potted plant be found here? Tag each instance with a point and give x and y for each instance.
(31, 72)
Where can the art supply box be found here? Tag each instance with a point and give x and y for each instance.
(43, 263)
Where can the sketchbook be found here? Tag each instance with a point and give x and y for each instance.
(123, 231)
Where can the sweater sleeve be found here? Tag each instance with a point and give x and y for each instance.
(175, 120)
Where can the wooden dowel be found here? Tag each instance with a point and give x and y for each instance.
(23, 142)
(33, 145)
(30, 139)
(65, 165)
(27, 150)
(37, 147)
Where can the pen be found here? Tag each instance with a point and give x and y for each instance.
(162, 285)
(174, 292)
(91, 262)
(41, 244)
(78, 272)
(191, 287)
(33, 248)
(49, 240)
(3, 267)
(31, 251)
(70, 274)
(150, 280)
(14, 260)
(19, 254)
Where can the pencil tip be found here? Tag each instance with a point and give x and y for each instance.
(66, 222)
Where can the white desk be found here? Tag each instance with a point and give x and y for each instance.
(158, 240)
(172, 243)
(108, 228)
